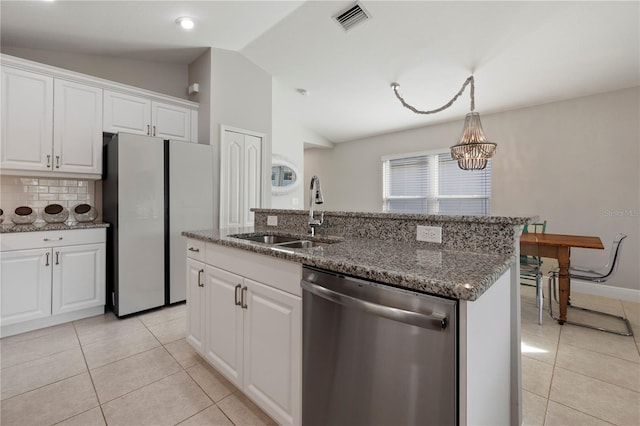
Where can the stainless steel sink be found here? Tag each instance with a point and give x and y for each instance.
(284, 240)
(302, 244)
(267, 239)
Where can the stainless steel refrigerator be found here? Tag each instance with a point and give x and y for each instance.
(152, 191)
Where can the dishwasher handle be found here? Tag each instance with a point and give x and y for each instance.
(433, 321)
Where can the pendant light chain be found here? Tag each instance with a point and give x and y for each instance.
(468, 81)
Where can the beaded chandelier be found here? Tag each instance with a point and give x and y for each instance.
(473, 151)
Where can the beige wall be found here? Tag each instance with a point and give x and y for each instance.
(162, 77)
(200, 72)
(574, 163)
(241, 98)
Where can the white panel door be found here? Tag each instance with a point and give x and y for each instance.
(273, 351)
(77, 129)
(78, 277)
(231, 180)
(126, 113)
(140, 223)
(27, 120)
(252, 179)
(170, 122)
(190, 205)
(223, 342)
(26, 285)
(195, 276)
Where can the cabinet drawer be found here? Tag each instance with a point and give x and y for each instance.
(195, 249)
(277, 273)
(46, 239)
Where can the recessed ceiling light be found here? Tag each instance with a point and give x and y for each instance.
(185, 22)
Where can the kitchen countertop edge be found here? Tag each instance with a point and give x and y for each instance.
(43, 227)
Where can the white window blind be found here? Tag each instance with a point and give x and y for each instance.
(433, 183)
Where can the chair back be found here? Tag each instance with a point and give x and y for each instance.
(614, 257)
(535, 227)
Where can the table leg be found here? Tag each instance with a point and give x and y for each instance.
(564, 286)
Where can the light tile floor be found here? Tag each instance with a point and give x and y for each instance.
(141, 371)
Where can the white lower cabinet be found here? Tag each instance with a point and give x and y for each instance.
(51, 277)
(252, 329)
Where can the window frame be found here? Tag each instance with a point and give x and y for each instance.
(433, 196)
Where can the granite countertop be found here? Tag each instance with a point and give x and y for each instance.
(43, 226)
(449, 273)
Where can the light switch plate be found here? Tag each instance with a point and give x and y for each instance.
(272, 220)
(430, 234)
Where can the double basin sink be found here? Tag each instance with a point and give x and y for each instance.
(282, 240)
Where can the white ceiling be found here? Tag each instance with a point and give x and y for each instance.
(521, 53)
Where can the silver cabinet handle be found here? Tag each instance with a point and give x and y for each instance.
(53, 239)
(200, 283)
(236, 301)
(148, 131)
(57, 258)
(434, 321)
(57, 161)
(243, 302)
(193, 249)
(154, 130)
(48, 161)
(47, 261)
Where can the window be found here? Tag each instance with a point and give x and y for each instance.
(432, 183)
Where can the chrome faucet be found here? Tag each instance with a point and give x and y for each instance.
(315, 197)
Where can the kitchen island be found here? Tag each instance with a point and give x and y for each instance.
(474, 265)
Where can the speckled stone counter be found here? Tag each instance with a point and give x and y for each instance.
(42, 226)
(425, 267)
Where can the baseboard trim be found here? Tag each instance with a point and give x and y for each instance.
(604, 290)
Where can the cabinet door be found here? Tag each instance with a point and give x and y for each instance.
(126, 113)
(252, 181)
(196, 304)
(27, 120)
(231, 180)
(223, 341)
(78, 277)
(273, 351)
(26, 285)
(77, 128)
(170, 122)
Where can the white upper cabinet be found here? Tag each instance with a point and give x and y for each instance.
(126, 113)
(170, 122)
(50, 125)
(138, 115)
(27, 120)
(77, 128)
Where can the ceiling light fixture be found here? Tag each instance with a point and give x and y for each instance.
(473, 151)
(185, 22)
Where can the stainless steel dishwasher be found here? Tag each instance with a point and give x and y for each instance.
(376, 355)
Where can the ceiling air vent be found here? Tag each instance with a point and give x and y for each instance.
(351, 17)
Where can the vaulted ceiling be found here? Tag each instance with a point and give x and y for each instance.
(521, 53)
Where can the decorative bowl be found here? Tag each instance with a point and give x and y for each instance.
(85, 213)
(24, 215)
(55, 213)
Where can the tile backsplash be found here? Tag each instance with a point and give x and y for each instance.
(37, 193)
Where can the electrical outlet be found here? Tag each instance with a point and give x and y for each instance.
(430, 234)
(272, 220)
(294, 201)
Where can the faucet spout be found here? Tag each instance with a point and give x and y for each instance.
(315, 197)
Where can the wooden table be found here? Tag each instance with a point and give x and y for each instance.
(558, 247)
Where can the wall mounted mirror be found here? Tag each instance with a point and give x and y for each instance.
(284, 176)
